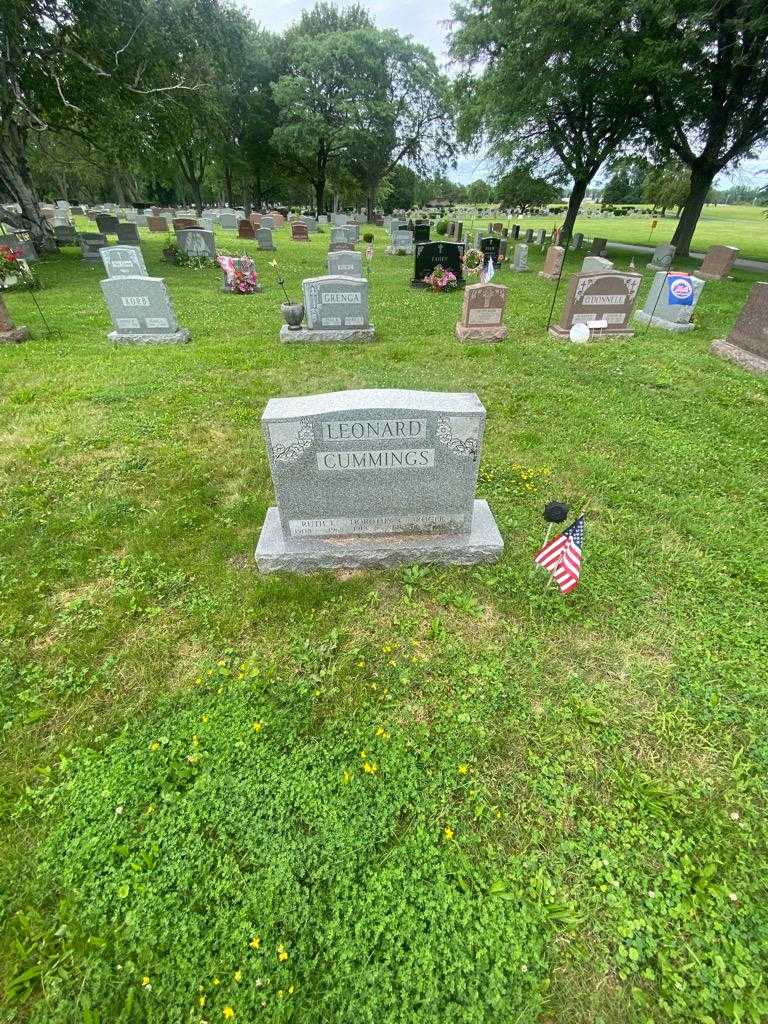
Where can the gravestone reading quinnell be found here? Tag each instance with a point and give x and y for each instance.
(375, 478)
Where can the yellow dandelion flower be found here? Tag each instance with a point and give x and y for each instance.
(279, 993)
(255, 942)
(346, 777)
(282, 953)
(257, 726)
(228, 1013)
(448, 833)
(201, 1001)
(204, 718)
(369, 767)
(216, 981)
(154, 745)
(195, 741)
(363, 754)
(145, 981)
(463, 769)
(238, 975)
(291, 990)
(222, 664)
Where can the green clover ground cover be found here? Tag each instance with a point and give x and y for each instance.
(422, 795)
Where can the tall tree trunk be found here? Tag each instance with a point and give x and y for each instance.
(580, 186)
(701, 183)
(370, 201)
(16, 179)
(259, 197)
(197, 195)
(246, 198)
(319, 195)
(117, 185)
(228, 186)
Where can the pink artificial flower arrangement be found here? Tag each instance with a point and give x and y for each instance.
(440, 280)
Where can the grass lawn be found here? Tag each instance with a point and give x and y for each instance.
(563, 816)
(746, 227)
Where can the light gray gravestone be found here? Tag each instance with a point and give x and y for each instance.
(264, 239)
(520, 259)
(375, 478)
(64, 234)
(592, 263)
(311, 222)
(123, 261)
(541, 236)
(90, 244)
(336, 309)
(127, 234)
(196, 242)
(268, 223)
(228, 221)
(353, 231)
(340, 240)
(671, 301)
(662, 257)
(345, 264)
(141, 311)
(402, 243)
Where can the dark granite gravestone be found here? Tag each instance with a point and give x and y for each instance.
(598, 247)
(374, 478)
(421, 233)
(747, 344)
(107, 223)
(429, 255)
(515, 232)
(490, 247)
(529, 236)
(64, 234)
(90, 244)
(482, 313)
(128, 234)
(606, 297)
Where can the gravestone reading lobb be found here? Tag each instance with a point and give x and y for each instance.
(718, 263)
(671, 301)
(483, 313)
(345, 264)
(128, 234)
(264, 239)
(520, 260)
(197, 242)
(336, 309)
(599, 297)
(375, 478)
(553, 263)
(123, 261)
(141, 311)
(662, 257)
(747, 344)
(429, 255)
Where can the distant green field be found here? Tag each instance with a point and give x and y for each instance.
(743, 226)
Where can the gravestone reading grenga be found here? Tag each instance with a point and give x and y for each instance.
(671, 301)
(141, 311)
(123, 261)
(747, 344)
(336, 309)
(197, 242)
(718, 263)
(429, 255)
(374, 478)
(602, 297)
(345, 264)
(482, 314)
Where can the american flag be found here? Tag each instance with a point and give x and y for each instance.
(561, 557)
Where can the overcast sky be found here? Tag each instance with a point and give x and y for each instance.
(425, 21)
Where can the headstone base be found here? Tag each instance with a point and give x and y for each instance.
(658, 321)
(712, 277)
(149, 339)
(277, 553)
(464, 333)
(401, 250)
(16, 335)
(563, 334)
(549, 277)
(342, 247)
(332, 334)
(749, 360)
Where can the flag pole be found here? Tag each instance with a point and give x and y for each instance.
(557, 283)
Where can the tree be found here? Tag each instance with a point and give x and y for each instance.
(397, 189)
(81, 67)
(667, 185)
(706, 72)
(479, 192)
(626, 184)
(520, 189)
(544, 81)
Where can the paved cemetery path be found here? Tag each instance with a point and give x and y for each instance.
(760, 265)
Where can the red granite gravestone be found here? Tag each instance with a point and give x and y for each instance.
(299, 232)
(553, 262)
(718, 263)
(747, 344)
(182, 223)
(482, 313)
(602, 296)
(157, 224)
(245, 229)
